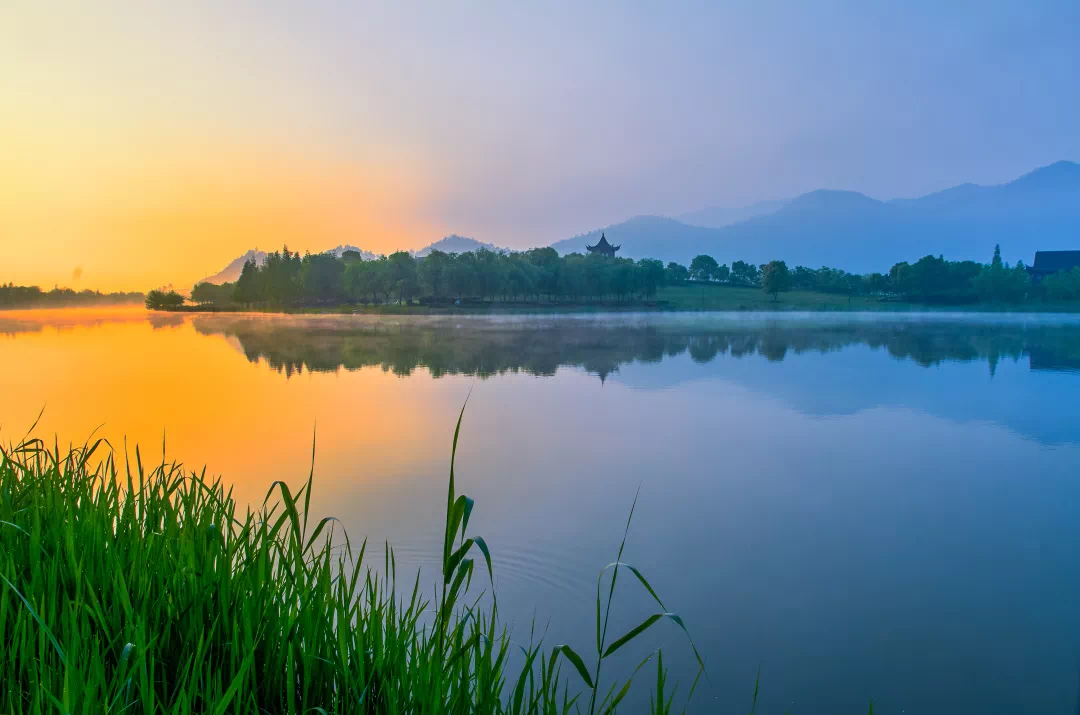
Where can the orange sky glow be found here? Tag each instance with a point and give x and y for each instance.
(176, 216)
(153, 142)
(129, 164)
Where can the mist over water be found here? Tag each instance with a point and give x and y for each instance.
(866, 506)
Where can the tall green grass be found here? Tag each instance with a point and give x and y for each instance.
(127, 589)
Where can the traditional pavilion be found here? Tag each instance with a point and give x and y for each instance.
(603, 248)
(1050, 262)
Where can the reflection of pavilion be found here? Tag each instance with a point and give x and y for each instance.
(1043, 358)
(601, 368)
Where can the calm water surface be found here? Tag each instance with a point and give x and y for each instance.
(875, 506)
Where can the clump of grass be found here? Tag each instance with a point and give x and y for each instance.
(127, 589)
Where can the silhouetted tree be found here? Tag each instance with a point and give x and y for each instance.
(286, 279)
(744, 273)
(322, 276)
(403, 277)
(433, 269)
(1063, 286)
(703, 268)
(652, 275)
(164, 300)
(246, 290)
(775, 278)
(13, 296)
(676, 273)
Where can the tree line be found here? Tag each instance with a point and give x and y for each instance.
(287, 279)
(13, 296)
(931, 279)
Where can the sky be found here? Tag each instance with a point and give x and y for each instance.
(151, 142)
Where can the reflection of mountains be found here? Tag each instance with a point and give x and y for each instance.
(485, 347)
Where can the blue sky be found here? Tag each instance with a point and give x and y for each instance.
(573, 115)
(521, 123)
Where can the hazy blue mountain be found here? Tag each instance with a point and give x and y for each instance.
(231, 272)
(456, 244)
(846, 229)
(843, 229)
(720, 216)
(647, 237)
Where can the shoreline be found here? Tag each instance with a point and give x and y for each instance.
(553, 310)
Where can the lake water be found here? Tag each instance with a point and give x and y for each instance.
(863, 506)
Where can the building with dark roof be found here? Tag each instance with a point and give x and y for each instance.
(1050, 262)
(604, 248)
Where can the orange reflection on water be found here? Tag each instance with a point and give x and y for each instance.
(96, 370)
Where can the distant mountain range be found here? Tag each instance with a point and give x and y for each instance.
(450, 244)
(849, 230)
(231, 272)
(720, 216)
(842, 229)
(367, 255)
(456, 244)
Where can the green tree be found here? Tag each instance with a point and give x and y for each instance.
(1063, 286)
(573, 279)
(204, 292)
(322, 276)
(623, 276)
(935, 280)
(461, 279)
(519, 277)
(598, 278)
(1018, 282)
(676, 273)
(246, 290)
(999, 282)
(164, 300)
(775, 278)
(652, 275)
(380, 281)
(433, 272)
(877, 283)
(357, 281)
(703, 268)
(488, 271)
(744, 273)
(403, 276)
(803, 278)
(548, 270)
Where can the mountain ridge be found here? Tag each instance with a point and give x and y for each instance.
(456, 244)
(448, 244)
(1039, 210)
(720, 216)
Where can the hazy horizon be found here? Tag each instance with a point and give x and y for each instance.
(155, 143)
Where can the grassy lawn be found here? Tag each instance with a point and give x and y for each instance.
(689, 297)
(724, 297)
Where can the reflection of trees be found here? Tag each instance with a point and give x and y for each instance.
(165, 320)
(484, 348)
(61, 320)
